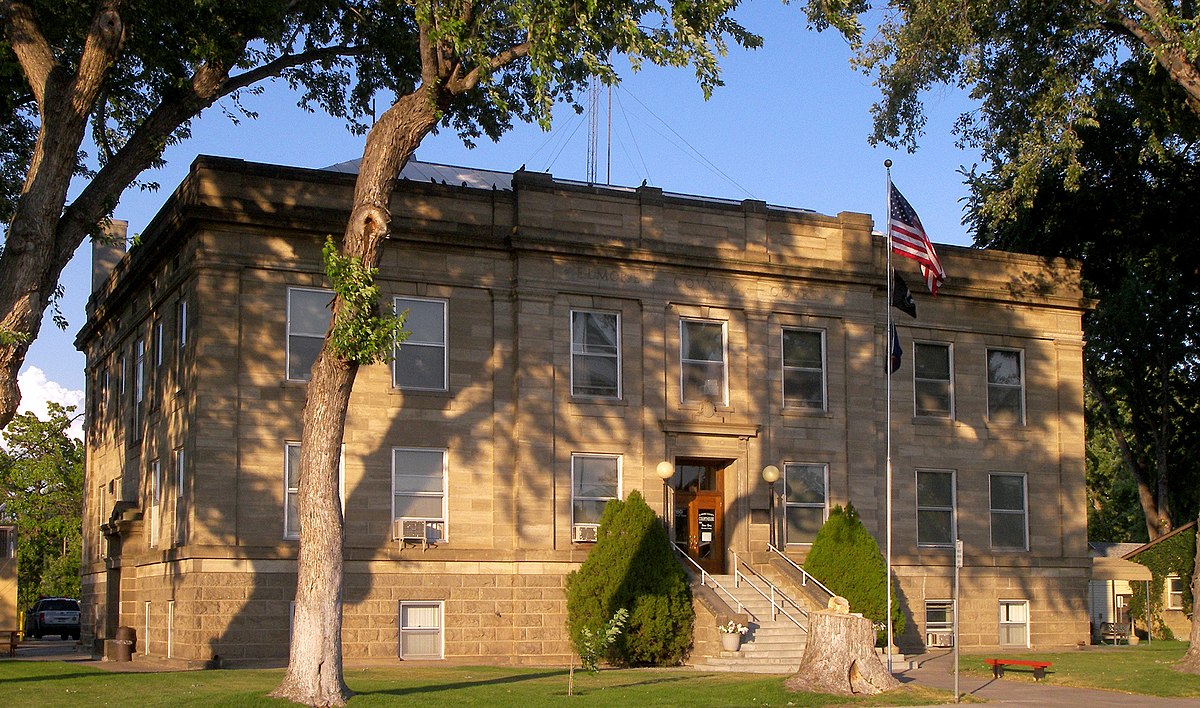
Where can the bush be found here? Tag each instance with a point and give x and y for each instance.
(846, 558)
(632, 566)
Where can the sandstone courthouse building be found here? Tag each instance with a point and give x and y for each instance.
(566, 340)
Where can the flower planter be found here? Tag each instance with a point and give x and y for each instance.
(731, 642)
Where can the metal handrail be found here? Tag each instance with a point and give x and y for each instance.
(776, 606)
(706, 576)
(804, 575)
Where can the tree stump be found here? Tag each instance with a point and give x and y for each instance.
(840, 657)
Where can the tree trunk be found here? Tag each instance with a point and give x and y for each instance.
(840, 657)
(1191, 660)
(314, 675)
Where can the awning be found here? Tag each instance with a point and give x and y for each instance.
(1118, 569)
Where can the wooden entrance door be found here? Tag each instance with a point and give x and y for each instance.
(700, 512)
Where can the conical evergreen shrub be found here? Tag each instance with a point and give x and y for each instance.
(846, 558)
(633, 566)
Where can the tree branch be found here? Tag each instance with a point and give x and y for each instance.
(30, 47)
(277, 66)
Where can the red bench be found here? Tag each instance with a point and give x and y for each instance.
(1039, 667)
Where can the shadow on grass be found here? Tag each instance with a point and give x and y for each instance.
(458, 685)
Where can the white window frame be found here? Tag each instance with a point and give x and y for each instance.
(1175, 596)
(1024, 512)
(289, 490)
(583, 353)
(577, 456)
(181, 333)
(952, 509)
(443, 346)
(1020, 354)
(155, 501)
(440, 525)
(723, 397)
(181, 497)
(796, 403)
(139, 384)
(289, 334)
(1002, 623)
(948, 382)
(788, 504)
(439, 630)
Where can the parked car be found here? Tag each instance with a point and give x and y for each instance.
(53, 615)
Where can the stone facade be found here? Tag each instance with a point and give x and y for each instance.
(191, 409)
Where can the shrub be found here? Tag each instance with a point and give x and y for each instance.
(846, 558)
(632, 566)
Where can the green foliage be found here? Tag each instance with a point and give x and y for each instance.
(41, 483)
(593, 645)
(632, 567)
(360, 333)
(1175, 555)
(847, 560)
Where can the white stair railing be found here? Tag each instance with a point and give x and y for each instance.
(778, 598)
(706, 578)
(805, 578)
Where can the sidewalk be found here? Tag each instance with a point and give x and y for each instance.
(936, 671)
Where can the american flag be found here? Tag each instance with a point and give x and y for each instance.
(909, 240)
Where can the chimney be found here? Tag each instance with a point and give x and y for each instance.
(107, 251)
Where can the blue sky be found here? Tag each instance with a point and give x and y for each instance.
(789, 127)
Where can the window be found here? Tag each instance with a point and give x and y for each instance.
(702, 360)
(1006, 390)
(1014, 623)
(419, 489)
(804, 369)
(307, 319)
(421, 630)
(155, 502)
(420, 361)
(933, 387)
(595, 480)
(935, 508)
(181, 337)
(595, 354)
(939, 623)
(806, 494)
(1008, 511)
(8, 541)
(181, 497)
(291, 492)
(1175, 587)
(139, 384)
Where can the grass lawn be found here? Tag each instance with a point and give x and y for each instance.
(1145, 668)
(33, 683)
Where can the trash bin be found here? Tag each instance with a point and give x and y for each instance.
(126, 643)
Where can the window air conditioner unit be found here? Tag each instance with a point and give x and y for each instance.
(939, 639)
(409, 531)
(583, 534)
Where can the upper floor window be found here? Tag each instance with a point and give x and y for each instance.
(806, 499)
(933, 383)
(595, 481)
(935, 508)
(420, 361)
(307, 320)
(139, 384)
(595, 354)
(803, 368)
(702, 361)
(1008, 510)
(419, 489)
(1006, 386)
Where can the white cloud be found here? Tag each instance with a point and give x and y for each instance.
(37, 391)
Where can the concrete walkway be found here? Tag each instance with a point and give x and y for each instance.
(936, 671)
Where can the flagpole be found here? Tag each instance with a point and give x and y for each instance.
(887, 367)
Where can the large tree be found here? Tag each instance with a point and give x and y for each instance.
(481, 65)
(1087, 122)
(133, 74)
(41, 489)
